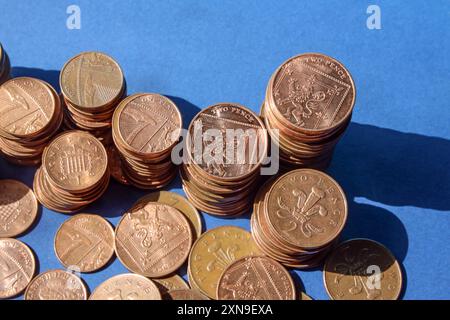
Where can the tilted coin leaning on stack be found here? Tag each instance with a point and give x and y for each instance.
(308, 105)
(145, 129)
(298, 217)
(225, 147)
(92, 85)
(5, 66)
(74, 172)
(31, 115)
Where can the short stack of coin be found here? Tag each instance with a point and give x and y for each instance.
(220, 173)
(31, 115)
(74, 172)
(298, 217)
(5, 66)
(146, 127)
(92, 85)
(308, 105)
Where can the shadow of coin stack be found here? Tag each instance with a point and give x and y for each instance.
(308, 106)
(92, 85)
(5, 66)
(298, 217)
(220, 172)
(145, 128)
(31, 115)
(74, 172)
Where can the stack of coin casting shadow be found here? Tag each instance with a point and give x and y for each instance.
(5, 65)
(74, 172)
(298, 217)
(225, 147)
(145, 129)
(308, 106)
(92, 85)
(30, 116)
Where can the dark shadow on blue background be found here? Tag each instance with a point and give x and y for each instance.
(50, 76)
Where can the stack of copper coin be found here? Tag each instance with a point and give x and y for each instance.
(308, 105)
(225, 147)
(146, 127)
(298, 217)
(74, 172)
(5, 65)
(92, 85)
(31, 115)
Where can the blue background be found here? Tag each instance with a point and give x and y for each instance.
(394, 160)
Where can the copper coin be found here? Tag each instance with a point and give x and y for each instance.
(17, 267)
(307, 208)
(115, 165)
(170, 283)
(56, 285)
(255, 278)
(362, 269)
(153, 241)
(91, 80)
(126, 287)
(213, 252)
(178, 202)
(27, 106)
(186, 294)
(85, 241)
(148, 123)
(75, 161)
(18, 208)
(248, 144)
(313, 91)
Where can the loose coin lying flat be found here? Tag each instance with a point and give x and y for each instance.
(56, 285)
(178, 202)
(17, 267)
(18, 208)
(362, 269)
(213, 252)
(126, 287)
(255, 278)
(154, 240)
(85, 241)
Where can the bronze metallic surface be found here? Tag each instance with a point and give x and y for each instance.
(18, 208)
(126, 287)
(362, 269)
(85, 242)
(17, 267)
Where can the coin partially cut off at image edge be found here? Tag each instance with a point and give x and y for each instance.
(85, 243)
(56, 285)
(18, 208)
(186, 294)
(213, 252)
(362, 269)
(169, 283)
(18, 267)
(127, 287)
(256, 278)
(153, 240)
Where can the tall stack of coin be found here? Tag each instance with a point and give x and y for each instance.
(146, 127)
(298, 217)
(5, 65)
(30, 115)
(92, 85)
(225, 147)
(308, 105)
(74, 172)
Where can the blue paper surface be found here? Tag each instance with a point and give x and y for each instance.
(394, 161)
